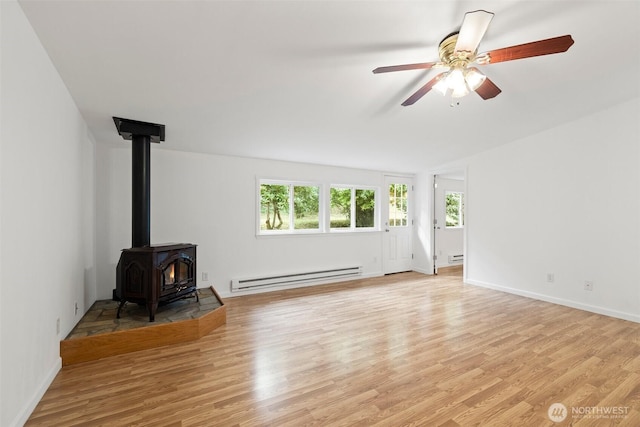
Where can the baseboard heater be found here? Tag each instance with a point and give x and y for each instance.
(295, 278)
(456, 258)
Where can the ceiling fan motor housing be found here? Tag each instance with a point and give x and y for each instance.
(449, 57)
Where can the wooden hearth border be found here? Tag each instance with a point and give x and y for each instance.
(95, 347)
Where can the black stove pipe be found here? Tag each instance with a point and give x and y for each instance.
(141, 191)
(141, 134)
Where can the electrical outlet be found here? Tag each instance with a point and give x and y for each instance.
(75, 308)
(588, 285)
(58, 326)
(205, 277)
(550, 278)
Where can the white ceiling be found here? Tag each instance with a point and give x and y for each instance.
(292, 80)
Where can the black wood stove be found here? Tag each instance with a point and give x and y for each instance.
(150, 274)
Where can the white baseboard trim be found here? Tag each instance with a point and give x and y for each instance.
(560, 301)
(24, 415)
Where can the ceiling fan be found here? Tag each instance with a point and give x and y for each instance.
(458, 51)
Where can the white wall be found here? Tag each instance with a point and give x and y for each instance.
(210, 200)
(567, 202)
(46, 257)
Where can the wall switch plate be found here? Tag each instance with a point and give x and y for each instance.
(550, 278)
(205, 276)
(588, 285)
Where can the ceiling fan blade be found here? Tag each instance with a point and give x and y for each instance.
(488, 89)
(527, 50)
(474, 25)
(420, 66)
(422, 91)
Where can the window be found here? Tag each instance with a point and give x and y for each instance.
(286, 207)
(340, 216)
(290, 207)
(454, 209)
(398, 205)
(306, 207)
(365, 206)
(352, 208)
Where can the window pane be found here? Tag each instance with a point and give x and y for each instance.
(397, 205)
(306, 207)
(340, 216)
(454, 204)
(365, 208)
(274, 207)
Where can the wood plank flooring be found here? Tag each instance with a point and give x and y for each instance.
(405, 349)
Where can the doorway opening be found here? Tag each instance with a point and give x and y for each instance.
(448, 223)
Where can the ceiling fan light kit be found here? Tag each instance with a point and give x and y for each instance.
(460, 81)
(459, 49)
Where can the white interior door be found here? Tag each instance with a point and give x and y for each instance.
(397, 225)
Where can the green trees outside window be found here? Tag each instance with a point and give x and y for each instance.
(340, 216)
(454, 205)
(289, 207)
(274, 204)
(398, 205)
(352, 207)
(365, 208)
(306, 206)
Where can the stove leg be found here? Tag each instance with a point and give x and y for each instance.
(152, 311)
(122, 303)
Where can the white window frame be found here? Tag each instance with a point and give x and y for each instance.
(352, 228)
(291, 229)
(460, 210)
(324, 208)
(408, 207)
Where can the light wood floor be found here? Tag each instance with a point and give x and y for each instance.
(404, 349)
